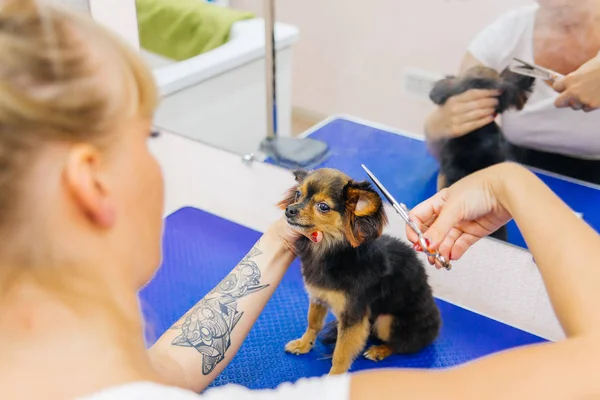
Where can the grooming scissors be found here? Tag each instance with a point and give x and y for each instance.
(534, 71)
(403, 211)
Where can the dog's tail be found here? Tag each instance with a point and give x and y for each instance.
(329, 333)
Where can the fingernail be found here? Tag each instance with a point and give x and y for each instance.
(417, 247)
(427, 242)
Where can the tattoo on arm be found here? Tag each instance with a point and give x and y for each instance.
(208, 326)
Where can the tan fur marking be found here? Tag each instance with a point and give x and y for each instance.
(322, 198)
(383, 326)
(378, 353)
(441, 181)
(316, 316)
(334, 300)
(350, 342)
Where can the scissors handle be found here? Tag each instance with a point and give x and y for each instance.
(422, 241)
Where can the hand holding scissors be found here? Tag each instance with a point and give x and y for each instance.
(579, 90)
(403, 211)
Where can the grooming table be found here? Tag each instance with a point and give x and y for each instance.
(403, 165)
(200, 249)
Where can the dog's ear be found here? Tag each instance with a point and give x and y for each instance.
(290, 195)
(300, 175)
(443, 89)
(516, 89)
(365, 216)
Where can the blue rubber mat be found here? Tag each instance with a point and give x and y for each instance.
(200, 249)
(405, 167)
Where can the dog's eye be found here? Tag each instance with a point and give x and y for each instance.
(298, 194)
(323, 207)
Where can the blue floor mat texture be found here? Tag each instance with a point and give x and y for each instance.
(409, 172)
(200, 249)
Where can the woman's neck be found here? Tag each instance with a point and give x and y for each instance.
(564, 39)
(581, 15)
(70, 350)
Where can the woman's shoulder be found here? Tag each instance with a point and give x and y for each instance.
(514, 18)
(330, 387)
(142, 390)
(519, 15)
(509, 33)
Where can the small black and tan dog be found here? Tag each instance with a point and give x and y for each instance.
(373, 283)
(483, 147)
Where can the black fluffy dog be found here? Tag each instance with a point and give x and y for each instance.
(374, 284)
(485, 146)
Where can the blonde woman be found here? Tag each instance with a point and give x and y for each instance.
(80, 226)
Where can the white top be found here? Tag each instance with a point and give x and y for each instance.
(335, 387)
(540, 125)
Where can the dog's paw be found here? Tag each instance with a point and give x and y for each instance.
(299, 346)
(378, 353)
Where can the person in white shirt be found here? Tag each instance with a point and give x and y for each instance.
(557, 34)
(76, 106)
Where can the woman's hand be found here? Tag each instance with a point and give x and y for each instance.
(467, 112)
(580, 90)
(457, 217)
(286, 233)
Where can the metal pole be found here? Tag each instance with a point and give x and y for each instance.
(270, 66)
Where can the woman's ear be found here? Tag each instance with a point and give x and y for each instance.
(84, 181)
(290, 195)
(365, 216)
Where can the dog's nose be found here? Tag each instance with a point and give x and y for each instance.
(291, 212)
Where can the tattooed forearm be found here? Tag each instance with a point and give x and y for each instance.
(208, 326)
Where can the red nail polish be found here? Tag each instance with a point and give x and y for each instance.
(428, 242)
(417, 247)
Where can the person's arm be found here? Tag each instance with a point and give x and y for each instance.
(461, 114)
(563, 246)
(200, 345)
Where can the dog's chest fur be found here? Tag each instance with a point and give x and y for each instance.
(319, 281)
(333, 274)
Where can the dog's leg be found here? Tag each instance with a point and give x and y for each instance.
(351, 340)
(316, 315)
(382, 329)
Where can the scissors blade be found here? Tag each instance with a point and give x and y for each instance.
(385, 192)
(399, 207)
(403, 211)
(534, 71)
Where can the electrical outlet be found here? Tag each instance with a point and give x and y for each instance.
(418, 83)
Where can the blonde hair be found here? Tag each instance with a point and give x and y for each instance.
(63, 77)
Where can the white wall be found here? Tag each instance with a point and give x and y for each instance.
(119, 15)
(351, 54)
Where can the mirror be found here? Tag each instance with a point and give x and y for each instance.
(357, 76)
